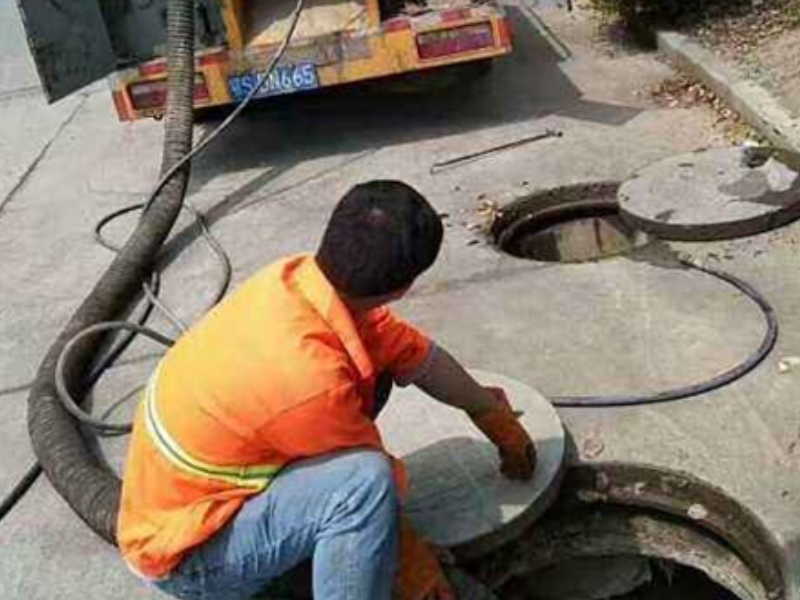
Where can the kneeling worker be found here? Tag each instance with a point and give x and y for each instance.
(255, 447)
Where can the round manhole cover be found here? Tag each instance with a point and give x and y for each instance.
(713, 194)
(458, 497)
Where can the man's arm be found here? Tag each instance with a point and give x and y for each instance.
(447, 381)
(412, 358)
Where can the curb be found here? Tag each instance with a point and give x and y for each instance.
(756, 105)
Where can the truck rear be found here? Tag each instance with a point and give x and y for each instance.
(335, 42)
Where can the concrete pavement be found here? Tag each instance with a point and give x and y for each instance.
(267, 187)
(17, 71)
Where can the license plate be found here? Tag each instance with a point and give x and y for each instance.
(284, 79)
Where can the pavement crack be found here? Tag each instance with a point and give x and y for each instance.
(29, 90)
(25, 177)
(134, 360)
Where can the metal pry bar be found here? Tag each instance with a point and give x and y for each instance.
(453, 162)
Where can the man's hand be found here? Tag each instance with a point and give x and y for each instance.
(442, 590)
(447, 381)
(420, 575)
(500, 425)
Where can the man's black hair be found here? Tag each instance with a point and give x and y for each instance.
(380, 237)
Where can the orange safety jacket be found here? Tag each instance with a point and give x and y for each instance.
(278, 371)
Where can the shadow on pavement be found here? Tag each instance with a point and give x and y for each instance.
(356, 121)
(281, 132)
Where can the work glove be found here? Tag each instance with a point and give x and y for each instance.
(419, 576)
(500, 425)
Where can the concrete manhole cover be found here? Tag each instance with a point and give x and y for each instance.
(713, 194)
(458, 497)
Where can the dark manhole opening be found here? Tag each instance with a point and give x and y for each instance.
(571, 224)
(617, 578)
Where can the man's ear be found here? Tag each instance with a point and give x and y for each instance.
(400, 293)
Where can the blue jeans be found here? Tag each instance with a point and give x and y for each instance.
(339, 509)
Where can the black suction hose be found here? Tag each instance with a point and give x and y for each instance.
(75, 472)
(32, 474)
(91, 490)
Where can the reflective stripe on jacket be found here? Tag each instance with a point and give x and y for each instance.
(247, 476)
(277, 372)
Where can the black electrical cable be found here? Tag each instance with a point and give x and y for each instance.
(19, 489)
(67, 400)
(201, 145)
(751, 362)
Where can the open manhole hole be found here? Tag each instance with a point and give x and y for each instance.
(570, 224)
(588, 548)
(619, 578)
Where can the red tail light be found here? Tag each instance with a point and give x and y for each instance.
(443, 42)
(153, 94)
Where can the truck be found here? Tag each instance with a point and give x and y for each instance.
(335, 42)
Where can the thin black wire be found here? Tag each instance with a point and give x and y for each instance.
(66, 398)
(750, 363)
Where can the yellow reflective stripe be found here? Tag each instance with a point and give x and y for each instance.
(254, 476)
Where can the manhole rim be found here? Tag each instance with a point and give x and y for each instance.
(558, 205)
(665, 494)
(701, 232)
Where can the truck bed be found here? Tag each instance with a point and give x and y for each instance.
(266, 22)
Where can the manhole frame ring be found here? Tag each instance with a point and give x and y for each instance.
(661, 492)
(548, 203)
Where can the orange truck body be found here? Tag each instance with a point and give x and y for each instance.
(402, 44)
(335, 42)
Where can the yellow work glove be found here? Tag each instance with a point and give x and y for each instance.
(500, 425)
(419, 576)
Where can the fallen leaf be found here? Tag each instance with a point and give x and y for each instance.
(593, 447)
(788, 363)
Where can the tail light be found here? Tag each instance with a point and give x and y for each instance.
(433, 44)
(153, 94)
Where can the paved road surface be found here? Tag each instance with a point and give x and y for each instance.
(267, 188)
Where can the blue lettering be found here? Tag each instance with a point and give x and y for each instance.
(247, 84)
(274, 83)
(236, 89)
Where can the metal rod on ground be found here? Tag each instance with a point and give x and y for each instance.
(453, 162)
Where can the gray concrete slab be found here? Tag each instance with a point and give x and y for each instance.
(268, 187)
(17, 453)
(457, 494)
(45, 552)
(27, 131)
(714, 194)
(17, 71)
